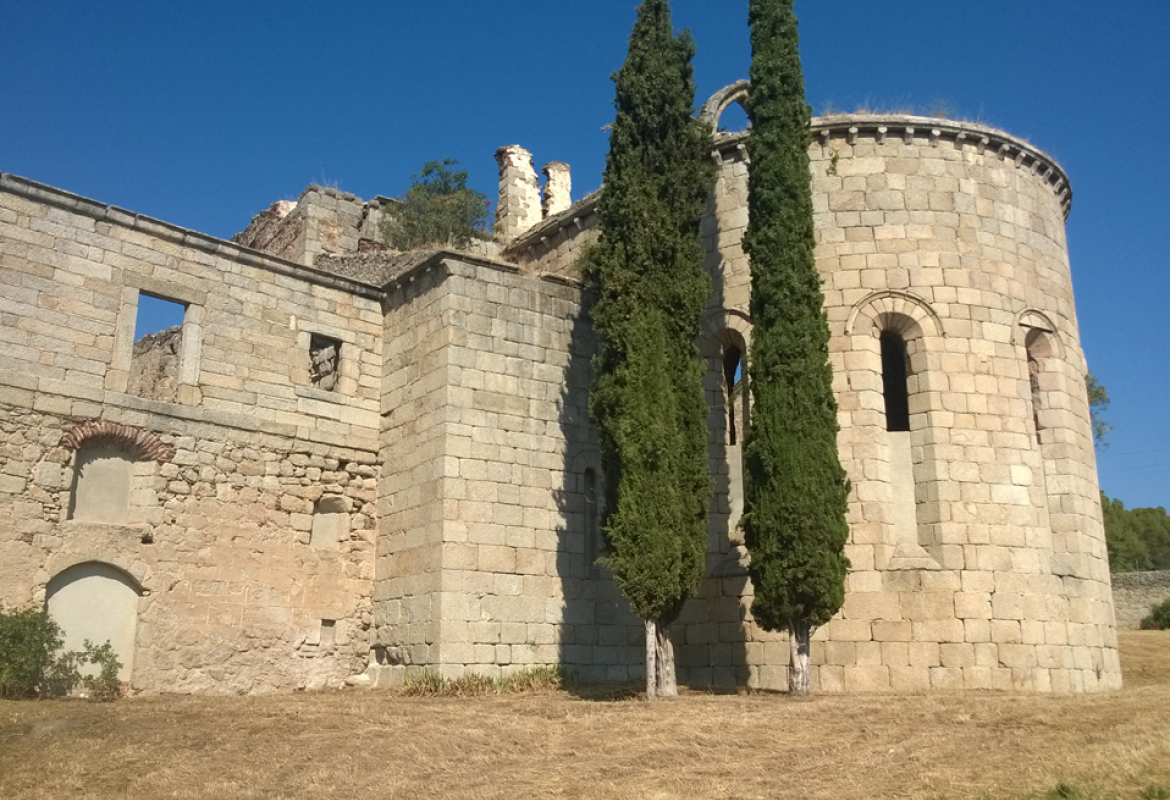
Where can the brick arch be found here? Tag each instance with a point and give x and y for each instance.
(141, 445)
(893, 311)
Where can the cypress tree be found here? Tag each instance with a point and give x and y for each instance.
(796, 490)
(647, 395)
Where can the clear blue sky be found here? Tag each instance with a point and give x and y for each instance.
(204, 113)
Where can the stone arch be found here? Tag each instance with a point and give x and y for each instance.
(137, 570)
(140, 445)
(1035, 330)
(1036, 334)
(719, 102)
(892, 333)
(894, 312)
(723, 327)
(96, 601)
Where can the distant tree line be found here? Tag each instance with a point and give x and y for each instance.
(1137, 538)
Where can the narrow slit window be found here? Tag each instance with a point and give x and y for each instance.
(1033, 342)
(733, 383)
(158, 347)
(324, 362)
(592, 522)
(894, 373)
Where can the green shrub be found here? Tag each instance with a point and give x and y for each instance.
(29, 640)
(32, 663)
(1159, 618)
(103, 685)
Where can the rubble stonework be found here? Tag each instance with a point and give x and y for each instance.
(375, 464)
(1136, 593)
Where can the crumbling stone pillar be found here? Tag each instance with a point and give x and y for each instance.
(519, 206)
(557, 188)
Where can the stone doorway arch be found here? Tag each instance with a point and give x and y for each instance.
(98, 602)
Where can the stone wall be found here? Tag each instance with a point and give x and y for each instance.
(483, 562)
(557, 245)
(1134, 593)
(215, 533)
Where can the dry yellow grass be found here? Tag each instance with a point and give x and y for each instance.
(381, 745)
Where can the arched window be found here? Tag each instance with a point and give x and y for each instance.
(734, 386)
(1038, 346)
(330, 522)
(895, 369)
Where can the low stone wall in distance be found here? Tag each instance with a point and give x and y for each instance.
(1135, 592)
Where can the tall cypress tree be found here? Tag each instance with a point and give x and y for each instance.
(647, 396)
(797, 493)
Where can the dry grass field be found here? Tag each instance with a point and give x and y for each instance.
(546, 745)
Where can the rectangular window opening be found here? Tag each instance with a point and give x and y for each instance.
(324, 362)
(158, 345)
(328, 632)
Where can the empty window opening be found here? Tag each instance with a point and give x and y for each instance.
(102, 476)
(1034, 381)
(324, 360)
(733, 386)
(734, 118)
(330, 523)
(592, 522)
(158, 344)
(328, 632)
(894, 372)
(1036, 346)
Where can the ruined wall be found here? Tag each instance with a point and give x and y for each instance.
(217, 534)
(154, 365)
(321, 221)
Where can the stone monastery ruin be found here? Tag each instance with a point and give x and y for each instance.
(350, 464)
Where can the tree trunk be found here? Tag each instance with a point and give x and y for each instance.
(799, 631)
(651, 660)
(667, 684)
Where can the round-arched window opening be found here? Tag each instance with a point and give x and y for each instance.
(734, 118)
(895, 369)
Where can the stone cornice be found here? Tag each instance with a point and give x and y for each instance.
(938, 133)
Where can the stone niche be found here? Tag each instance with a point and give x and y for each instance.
(98, 602)
(101, 484)
(330, 522)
